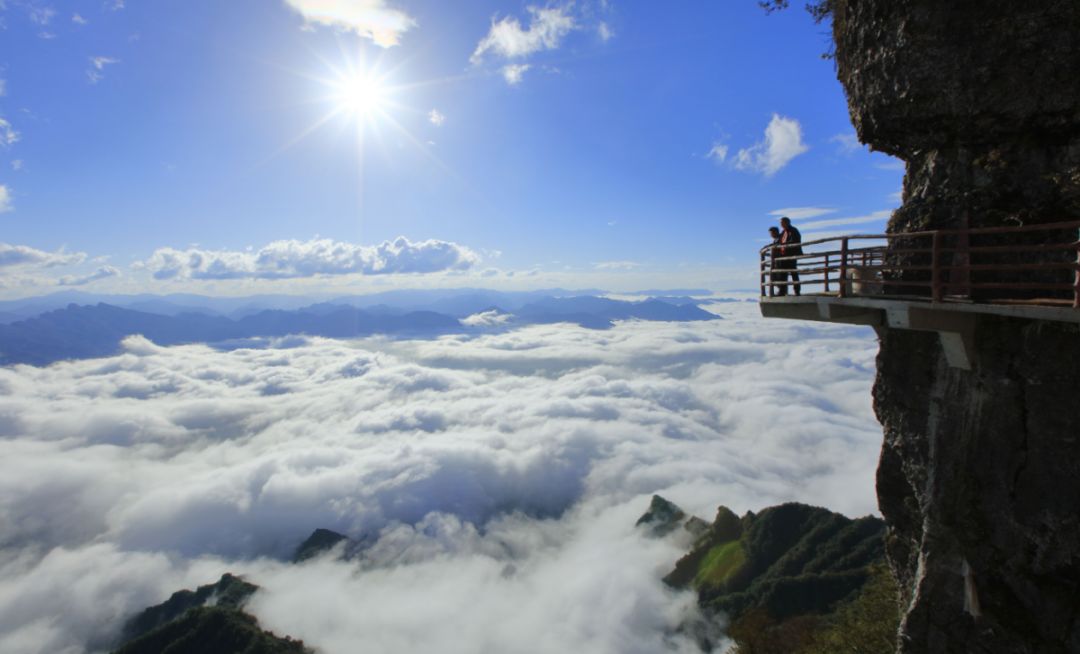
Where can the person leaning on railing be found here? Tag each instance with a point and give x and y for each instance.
(790, 240)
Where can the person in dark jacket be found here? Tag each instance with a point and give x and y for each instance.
(777, 272)
(790, 240)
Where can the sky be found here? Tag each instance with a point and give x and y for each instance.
(497, 479)
(295, 146)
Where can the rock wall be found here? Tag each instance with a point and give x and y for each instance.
(979, 477)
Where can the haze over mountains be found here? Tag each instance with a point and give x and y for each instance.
(84, 330)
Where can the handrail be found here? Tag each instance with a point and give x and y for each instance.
(1030, 263)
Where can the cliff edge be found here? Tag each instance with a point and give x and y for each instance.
(978, 476)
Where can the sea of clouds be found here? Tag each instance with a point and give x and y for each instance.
(498, 476)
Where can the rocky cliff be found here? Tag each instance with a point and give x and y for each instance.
(979, 477)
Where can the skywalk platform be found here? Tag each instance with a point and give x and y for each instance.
(941, 281)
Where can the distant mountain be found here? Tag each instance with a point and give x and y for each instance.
(793, 578)
(454, 302)
(81, 331)
(599, 312)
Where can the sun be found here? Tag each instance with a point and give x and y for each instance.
(362, 95)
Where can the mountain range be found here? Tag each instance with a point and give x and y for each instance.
(85, 331)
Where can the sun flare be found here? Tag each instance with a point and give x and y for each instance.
(362, 95)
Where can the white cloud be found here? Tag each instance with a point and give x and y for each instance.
(877, 216)
(103, 272)
(801, 213)
(436, 118)
(3, 87)
(78, 20)
(492, 318)
(96, 72)
(17, 164)
(718, 152)
(41, 15)
(507, 39)
(23, 255)
(847, 142)
(897, 197)
(5, 199)
(783, 142)
(616, 265)
(507, 469)
(114, 5)
(372, 19)
(514, 73)
(8, 135)
(295, 259)
(605, 32)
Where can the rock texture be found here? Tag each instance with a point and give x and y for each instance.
(979, 477)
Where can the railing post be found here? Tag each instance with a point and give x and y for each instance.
(935, 269)
(1076, 275)
(826, 273)
(772, 271)
(761, 272)
(843, 266)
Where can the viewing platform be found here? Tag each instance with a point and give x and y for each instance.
(940, 280)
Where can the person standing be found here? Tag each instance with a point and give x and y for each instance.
(790, 246)
(777, 273)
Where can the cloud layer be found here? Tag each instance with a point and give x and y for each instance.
(498, 477)
(372, 19)
(24, 255)
(291, 259)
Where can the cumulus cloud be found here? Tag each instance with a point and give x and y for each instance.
(23, 255)
(436, 118)
(5, 199)
(96, 72)
(371, 19)
(506, 468)
(8, 135)
(509, 40)
(104, 272)
(78, 19)
(292, 259)
(783, 142)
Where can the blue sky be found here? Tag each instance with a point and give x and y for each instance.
(286, 145)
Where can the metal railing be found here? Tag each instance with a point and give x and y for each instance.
(1034, 264)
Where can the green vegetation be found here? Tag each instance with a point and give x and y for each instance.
(229, 592)
(795, 579)
(720, 564)
(866, 625)
(207, 620)
(212, 630)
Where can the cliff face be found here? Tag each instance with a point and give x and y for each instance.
(979, 477)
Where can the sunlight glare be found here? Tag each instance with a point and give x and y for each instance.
(361, 95)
